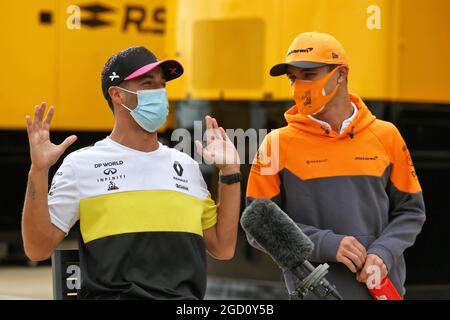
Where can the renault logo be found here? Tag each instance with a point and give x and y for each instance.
(178, 168)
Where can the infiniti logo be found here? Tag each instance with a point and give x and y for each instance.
(110, 171)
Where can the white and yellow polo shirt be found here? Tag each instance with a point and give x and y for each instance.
(142, 217)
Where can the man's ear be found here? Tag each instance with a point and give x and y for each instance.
(114, 93)
(343, 74)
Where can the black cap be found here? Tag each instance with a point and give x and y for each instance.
(134, 62)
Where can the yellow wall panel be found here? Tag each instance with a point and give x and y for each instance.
(424, 54)
(226, 46)
(28, 64)
(392, 61)
(83, 53)
(62, 66)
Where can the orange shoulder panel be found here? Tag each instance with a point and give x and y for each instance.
(264, 180)
(403, 174)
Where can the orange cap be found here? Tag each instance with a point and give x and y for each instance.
(312, 50)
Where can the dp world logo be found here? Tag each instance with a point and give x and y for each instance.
(178, 168)
(110, 171)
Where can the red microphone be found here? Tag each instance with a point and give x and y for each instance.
(385, 291)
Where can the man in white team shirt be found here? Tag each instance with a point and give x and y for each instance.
(146, 216)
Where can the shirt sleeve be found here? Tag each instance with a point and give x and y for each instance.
(209, 215)
(63, 198)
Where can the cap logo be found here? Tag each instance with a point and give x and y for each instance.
(307, 50)
(173, 70)
(114, 76)
(335, 55)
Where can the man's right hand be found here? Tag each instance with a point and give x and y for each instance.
(351, 253)
(43, 153)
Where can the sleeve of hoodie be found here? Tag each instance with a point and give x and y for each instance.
(264, 179)
(406, 205)
(264, 182)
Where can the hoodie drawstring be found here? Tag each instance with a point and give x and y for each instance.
(327, 131)
(351, 134)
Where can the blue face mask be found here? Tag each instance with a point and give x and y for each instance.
(152, 108)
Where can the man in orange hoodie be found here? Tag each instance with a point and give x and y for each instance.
(345, 177)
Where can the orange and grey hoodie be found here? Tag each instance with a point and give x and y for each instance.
(359, 183)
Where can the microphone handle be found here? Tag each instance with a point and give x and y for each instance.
(313, 279)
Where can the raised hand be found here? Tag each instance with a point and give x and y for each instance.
(219, 149)
(43, 152)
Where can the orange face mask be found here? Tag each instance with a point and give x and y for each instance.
(310, 96)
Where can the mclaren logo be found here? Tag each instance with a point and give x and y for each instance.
(367, 158)
(307, 50)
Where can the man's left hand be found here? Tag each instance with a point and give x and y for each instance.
(219, 149)
(372, 261)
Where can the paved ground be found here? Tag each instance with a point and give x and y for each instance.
(36, 283)
(26, 282)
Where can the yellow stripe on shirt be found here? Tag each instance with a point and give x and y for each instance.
(145, 211)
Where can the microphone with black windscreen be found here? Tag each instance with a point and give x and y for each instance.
(289, 247)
